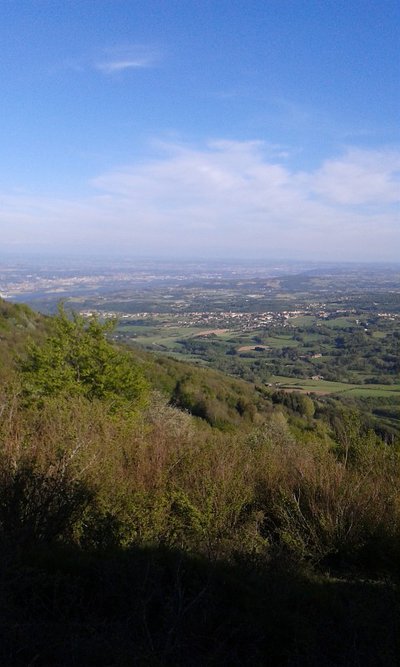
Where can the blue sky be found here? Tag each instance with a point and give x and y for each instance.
(199, 128)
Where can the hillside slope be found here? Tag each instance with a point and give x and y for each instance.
(211, 395)
(17, 323)
(135, 533)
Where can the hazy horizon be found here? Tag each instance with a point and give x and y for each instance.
(108, 260)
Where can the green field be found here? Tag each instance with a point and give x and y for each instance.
(326, 387)
(340, 322)
(280, 341)
(163, 336)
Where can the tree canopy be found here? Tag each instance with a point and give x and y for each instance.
(77, 359)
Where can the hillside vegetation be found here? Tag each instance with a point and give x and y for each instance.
(17, 321)
(155, 513)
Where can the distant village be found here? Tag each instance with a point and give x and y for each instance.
(242, 321)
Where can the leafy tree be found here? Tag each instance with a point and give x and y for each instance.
(77, 359)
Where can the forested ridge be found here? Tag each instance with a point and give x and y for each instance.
(157, 513)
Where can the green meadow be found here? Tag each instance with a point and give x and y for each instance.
(328, 387)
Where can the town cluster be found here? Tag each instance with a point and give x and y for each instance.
(243, 321)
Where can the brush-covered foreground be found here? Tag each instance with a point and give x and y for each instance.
(133, 533)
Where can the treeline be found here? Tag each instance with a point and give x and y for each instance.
(133, 533)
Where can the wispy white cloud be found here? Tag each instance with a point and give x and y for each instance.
(127, 58)
(120, 65)
(226, 198)
(114, 60)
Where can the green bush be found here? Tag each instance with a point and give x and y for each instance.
(77, 359)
